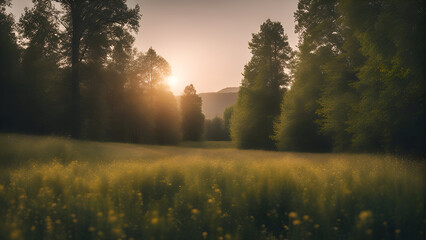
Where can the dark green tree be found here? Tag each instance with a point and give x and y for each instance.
(299, 126)
(227, 115)
(43, 88)
(84, 21)
(118, 88)
(357, 81)
(262, 88)
(10, 103)
(102, 87)
(340, 70)
(214, 130)
(192, 117)
(389, 114)
(151, 111)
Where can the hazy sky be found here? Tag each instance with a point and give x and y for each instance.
(205, 41)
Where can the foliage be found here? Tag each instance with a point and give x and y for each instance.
(298, 127)
(389, 115)
(90, 29)
(214, 130)
(166, 118)
(68, 67)
(96, 190)
(151, 112)
(43, 87)
(119, 92)
(9, 72)
(192, 117)
(262, 88)
(358, 81)
(227, 115)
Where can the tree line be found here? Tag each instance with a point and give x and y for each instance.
(355, 84)
(69, 67)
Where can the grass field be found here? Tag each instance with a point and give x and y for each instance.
(55, 188)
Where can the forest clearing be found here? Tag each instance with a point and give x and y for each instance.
(57, 188)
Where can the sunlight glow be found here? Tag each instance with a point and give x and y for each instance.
(172, 81)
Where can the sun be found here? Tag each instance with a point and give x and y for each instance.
(172, 81)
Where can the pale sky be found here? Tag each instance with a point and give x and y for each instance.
(205, 41)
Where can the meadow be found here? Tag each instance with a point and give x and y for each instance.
(57, 188)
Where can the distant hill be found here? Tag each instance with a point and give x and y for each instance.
(214, 103)
(229, 90)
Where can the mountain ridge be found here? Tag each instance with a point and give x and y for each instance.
(215, 103)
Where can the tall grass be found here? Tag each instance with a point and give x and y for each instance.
(53, 188)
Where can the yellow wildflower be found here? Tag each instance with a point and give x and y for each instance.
(296, 222)
(195, 211)
(154, 220)
(15, 234)
(364, 215)
(292, 214)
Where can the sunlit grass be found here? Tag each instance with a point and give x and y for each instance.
(59, 189)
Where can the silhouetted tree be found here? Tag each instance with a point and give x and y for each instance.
(152, 70)
(166, 117)
(9, 72)
(152, 114)
(262, 88)
(43, 87)
(192, 117)
(85, 21)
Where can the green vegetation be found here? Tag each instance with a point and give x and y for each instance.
(262, 88)
(214, 130)
(358, 78)
(70, 68)
(55, 188)
(192, 117)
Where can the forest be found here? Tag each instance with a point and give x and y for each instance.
(355, 83)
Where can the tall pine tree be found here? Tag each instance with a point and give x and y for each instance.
(192, 117)
(262, 88)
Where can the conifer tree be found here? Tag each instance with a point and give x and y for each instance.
(192, 117)
(262, 88)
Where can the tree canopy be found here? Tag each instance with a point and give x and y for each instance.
(262, 88)
(72, 69)
(358, 83)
